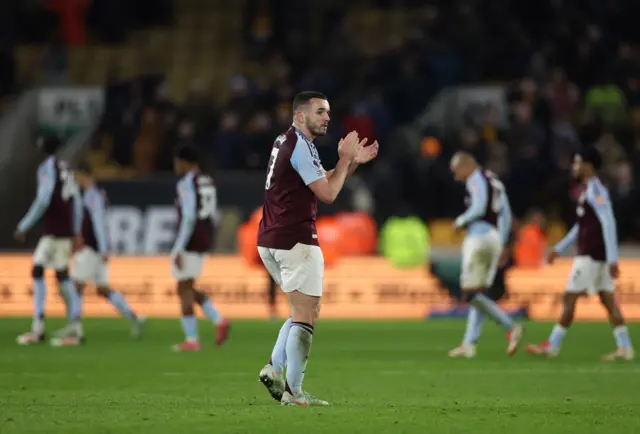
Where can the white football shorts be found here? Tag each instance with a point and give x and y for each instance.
(480, 260)
(53, 253)
(192, 263)
(299, 269)
(590, 276)
(89, 267)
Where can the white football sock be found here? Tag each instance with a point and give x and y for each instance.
(621, 335)
(557, 334)
(488, 306)
(475, 321)
(298, 348)
(279, 354)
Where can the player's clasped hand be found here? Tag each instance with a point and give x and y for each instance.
(366, 153)
(349, 146)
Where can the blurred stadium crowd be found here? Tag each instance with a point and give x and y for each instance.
(572, 70)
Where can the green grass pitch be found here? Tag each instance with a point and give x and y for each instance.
(379, 377)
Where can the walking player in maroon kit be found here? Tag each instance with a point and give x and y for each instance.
(59, 204)
(287, 238)
(91, 261)
(197, 210)
(595, 266)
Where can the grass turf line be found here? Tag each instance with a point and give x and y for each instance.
(380, 377)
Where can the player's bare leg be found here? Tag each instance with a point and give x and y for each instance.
(222, 325)
(551, 347)
(305, 310)
(624, 349)
(272, 296)
(189, 322)
(36, 334)
(485, 306)
(120, 304)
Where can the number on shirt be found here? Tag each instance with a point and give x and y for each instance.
(207, 195)
(271, 166)
(69, 186)
(498, 193)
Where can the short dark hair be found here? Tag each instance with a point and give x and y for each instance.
(85, 168)
(592, 156)
(187, 153)
(304, 97)
(49, 144)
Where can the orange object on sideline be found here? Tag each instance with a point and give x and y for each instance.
(530, 247)
(248, 243)
(330, 238)
(359, 233)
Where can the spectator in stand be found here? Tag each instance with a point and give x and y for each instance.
(624, 195)
(525, 138)
(71, 15)
(261, 136)
(259, 25)
(491, 135)
(562, 97)
(632, 139)
(240, 98)
(632, 91)
(625, 64)
(146, 149)
(406, 93)
(229, 142)
(381, 116)
(612, 153)
(199, 107)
